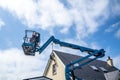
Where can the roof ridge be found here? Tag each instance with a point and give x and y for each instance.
(73, 55)
(67, 53)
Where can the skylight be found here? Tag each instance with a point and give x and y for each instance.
(103, 69)
(94, 68)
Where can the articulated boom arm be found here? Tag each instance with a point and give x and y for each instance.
(30, 49)
(69, 45)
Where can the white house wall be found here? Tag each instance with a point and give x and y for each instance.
(60, 75)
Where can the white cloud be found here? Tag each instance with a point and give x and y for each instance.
(86, 13)
(53, 13)
(118, 33)
(16, 66)
(47, 14)
(1, 23)
(115, 7)
(95, 45)
(24, 10)
(114, 28)
(44, 14)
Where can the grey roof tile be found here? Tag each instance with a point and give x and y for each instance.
(86, 72)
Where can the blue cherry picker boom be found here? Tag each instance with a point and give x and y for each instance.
(31, 46)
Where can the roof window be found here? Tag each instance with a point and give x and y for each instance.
(94, 68)
(103, 69)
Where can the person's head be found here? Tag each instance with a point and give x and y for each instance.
(35, 33)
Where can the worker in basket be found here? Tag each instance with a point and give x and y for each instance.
(35, 39)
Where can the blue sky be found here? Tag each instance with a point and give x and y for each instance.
(89, 23)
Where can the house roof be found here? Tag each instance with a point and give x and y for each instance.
(86, 72)
(38, 78)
